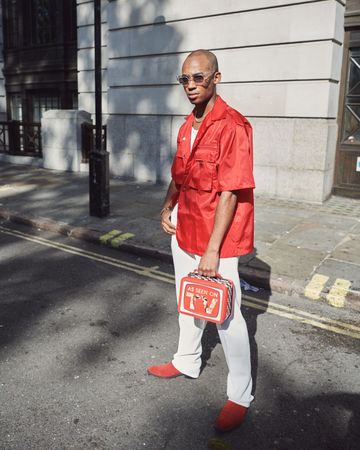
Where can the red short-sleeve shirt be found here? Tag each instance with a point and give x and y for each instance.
(221, 160)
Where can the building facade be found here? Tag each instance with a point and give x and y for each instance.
(40, 57)
(290, 66)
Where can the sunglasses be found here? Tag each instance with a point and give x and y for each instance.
(198, 78)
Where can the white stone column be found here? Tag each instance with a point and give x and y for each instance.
(61, 138)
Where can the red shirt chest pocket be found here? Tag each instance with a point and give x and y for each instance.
(179, 161)
(178, 169)
(202, 170)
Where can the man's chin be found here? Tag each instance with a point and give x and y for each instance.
(194, 100)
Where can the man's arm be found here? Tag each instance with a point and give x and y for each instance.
(165, 214)
(224, 214)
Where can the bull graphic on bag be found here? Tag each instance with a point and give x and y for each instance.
(200, 301)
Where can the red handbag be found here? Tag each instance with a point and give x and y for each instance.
(207, 298)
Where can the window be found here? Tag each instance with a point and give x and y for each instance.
(347, 176)
(351, 127)
(11, 22)
(16, 109)
(42, 103)
(43, 18)
(40, 56)
(74, 98)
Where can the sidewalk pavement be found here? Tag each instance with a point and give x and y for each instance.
(301, 248)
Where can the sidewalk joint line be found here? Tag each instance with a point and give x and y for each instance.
(346, 262)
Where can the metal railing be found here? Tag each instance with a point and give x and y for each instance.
(20, 138)
(88, 140)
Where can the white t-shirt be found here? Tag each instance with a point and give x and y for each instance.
(193, 136)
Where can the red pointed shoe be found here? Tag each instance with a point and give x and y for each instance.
(231, 416)
(164, 371)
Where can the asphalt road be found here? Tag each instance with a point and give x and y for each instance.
(79, 324)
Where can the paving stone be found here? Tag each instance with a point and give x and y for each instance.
(288, 260)
(260, 264)
(349, 251)
(334, 221)
(314, 237)
(275, 214)
(260, 250)
(335, 269)
(270, 231)
(356, 229)
(335, 205)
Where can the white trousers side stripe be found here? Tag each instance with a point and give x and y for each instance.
(233, 332)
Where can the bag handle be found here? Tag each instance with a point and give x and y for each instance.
(196, 272)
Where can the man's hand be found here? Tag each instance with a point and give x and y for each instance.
(209, 263)
(165, 214)
(166, 224)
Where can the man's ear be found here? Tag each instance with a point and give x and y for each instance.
(217, 77)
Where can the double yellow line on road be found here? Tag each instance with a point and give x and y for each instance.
(325, 323)
(288, 312)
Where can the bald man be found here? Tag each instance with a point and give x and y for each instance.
(209, 212)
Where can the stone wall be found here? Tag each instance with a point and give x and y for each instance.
(86, 77)
(280, 60)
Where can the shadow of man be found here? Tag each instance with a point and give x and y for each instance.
(139, 139)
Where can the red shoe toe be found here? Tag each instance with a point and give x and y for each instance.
(164, 371)
(231, 416)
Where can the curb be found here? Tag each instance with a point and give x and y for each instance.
(81, 233)
(265, 280)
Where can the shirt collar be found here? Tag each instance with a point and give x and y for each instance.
(217, 112)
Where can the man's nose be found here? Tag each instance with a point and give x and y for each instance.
(191, 84)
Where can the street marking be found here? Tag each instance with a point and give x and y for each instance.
(141, 270)
(115, 238)
(108, 236)
(297, 318)
(314, 288)
(116, 242)
(313, 316)
(337, 294)
(153, 272)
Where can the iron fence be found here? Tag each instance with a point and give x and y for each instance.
(88, 140)
(20, 138)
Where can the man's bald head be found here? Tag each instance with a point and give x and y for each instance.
(202, 66)
(209, 56)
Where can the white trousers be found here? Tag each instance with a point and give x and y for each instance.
(233, 332)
